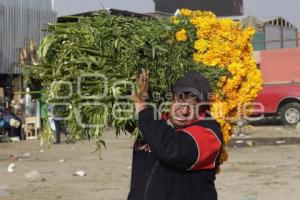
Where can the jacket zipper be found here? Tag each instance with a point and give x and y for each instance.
(149, 180)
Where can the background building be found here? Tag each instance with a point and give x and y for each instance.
(219, 7)
(21, 21)
(272, 33)
(21, 24)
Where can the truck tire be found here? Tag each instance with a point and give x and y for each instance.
(290, 114)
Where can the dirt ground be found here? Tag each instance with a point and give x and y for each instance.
(266, 167)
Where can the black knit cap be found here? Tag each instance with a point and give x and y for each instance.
(194, 83)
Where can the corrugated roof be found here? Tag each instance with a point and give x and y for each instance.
(277, 21)
(254, 22)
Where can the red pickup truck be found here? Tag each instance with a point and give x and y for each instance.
(281, 91)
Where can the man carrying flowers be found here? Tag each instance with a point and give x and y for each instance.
(179, 154)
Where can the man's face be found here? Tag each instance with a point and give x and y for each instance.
(184, 110)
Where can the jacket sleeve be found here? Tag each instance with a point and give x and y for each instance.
(173, 148)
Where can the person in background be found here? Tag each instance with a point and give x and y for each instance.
(2, 122)
(178, 157)
(11, 123)
(56, 128)
(55, 123)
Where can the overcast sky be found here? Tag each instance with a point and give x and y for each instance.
(289, 9)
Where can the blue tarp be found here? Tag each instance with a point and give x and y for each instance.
(2, 123)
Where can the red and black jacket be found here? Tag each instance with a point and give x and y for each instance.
(175, 164)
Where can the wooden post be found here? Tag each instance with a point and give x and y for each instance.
(32, 52)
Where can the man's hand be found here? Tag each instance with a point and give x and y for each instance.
(140, 98)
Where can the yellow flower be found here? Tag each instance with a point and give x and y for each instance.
(185, 12)
(235, 67)
(249, 32)
(224, 156)
(181, 35)
(198, 57)
(175, 20)
(201, 45)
